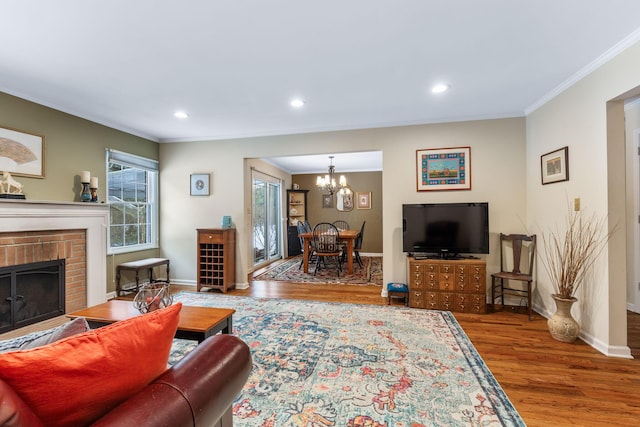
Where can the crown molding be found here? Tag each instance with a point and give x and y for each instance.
(611, 53)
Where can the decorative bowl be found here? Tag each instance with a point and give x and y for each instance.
(153, 296)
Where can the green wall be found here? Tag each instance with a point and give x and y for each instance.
(72, 144)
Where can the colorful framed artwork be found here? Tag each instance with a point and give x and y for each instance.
(443, 169)
(363, 200)
(327, 201)
(554, 166)
(22, 153)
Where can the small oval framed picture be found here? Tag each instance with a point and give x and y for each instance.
(200, 184)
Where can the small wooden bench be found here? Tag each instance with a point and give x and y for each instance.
(143, 264)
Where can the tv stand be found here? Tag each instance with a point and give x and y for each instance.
(443, 255)
(457, 285)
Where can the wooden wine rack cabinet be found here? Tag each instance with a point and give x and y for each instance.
(452, 285)
(216, 258)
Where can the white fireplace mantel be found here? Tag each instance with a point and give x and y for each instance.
(25, 215)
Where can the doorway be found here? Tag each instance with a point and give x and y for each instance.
(633, 299)
(632, 166)
(266, 210)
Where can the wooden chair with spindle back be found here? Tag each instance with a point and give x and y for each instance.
(326, 245)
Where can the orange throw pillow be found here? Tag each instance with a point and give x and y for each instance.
(76, 380)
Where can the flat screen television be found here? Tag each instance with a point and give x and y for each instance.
(445, 230)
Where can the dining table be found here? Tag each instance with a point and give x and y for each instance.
(348, 236)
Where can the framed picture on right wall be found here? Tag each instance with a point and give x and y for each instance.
(554, 166)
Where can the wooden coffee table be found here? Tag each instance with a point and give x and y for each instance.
(196, 323)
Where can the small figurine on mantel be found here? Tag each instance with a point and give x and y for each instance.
(10, 188)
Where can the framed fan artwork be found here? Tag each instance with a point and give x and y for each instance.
(22, 153)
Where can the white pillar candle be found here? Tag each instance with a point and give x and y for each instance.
(94, 182)
(84, 176)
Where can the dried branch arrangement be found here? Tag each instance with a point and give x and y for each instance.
(570, 253)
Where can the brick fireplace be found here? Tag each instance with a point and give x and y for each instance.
(24, 247)
(34, 231)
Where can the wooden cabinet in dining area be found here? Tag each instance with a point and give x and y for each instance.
(296, 212)
(454, 285)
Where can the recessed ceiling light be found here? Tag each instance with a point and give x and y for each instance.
(440, 87)
(181, 114)
(297, 103)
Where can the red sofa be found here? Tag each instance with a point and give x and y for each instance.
(196, 391)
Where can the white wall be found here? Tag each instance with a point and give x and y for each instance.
(497, 162)
(578, 118)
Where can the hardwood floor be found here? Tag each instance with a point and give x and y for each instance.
(550, 383)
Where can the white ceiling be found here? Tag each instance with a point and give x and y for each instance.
(235, 65)
(343, 162)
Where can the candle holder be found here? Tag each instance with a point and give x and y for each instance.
(85, 196)
(94, 195)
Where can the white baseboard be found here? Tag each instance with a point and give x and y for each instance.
(623, 352)
(183, 282)
(192, 283)
(370, 254)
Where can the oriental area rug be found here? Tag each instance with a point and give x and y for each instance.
(331, 364)
(290, 271)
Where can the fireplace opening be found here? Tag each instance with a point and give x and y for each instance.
(31, 293)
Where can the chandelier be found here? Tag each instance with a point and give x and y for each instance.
(328, 182)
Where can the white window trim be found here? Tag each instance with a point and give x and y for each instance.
(148, 165)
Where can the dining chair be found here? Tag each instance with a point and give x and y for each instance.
(510, 268)
(357, 245)
(327, 246)
(341, 225)
(302, 229)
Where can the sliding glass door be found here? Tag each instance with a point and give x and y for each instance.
(267, 226)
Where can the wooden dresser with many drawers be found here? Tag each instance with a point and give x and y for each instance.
(454, 285)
